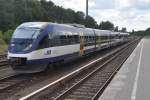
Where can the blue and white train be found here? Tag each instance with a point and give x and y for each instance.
(34, 45)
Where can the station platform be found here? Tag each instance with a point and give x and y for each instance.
(132, 82)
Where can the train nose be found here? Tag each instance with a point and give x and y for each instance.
(17, 61)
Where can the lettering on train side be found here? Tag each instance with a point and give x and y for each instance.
(48, 52)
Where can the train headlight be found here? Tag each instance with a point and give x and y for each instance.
(12, 45)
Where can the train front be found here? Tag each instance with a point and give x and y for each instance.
(22, 45)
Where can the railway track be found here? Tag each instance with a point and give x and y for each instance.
(10, 81)
(2, 56)
(3, 60)
(87, 82)
(91, 86)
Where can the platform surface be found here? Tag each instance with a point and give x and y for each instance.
(132, 82)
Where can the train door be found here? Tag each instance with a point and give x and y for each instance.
(81, 44)
(95, 40)
(109, 40)
(99, 41)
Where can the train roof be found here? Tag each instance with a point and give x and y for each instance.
(70, 27)
(39, 25)
(124, 33)
(115, 33)
(102, 32)
(42, 25)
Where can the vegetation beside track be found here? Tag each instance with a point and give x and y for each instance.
(3, 44)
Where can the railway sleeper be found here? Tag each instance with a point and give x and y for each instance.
(99, 78)
(79, 97)
(87, 90)
(78, 93)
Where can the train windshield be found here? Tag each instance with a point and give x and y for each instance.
(22, 39)
(26, 33)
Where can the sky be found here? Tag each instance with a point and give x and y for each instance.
(132, 14)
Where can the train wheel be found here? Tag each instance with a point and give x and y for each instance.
(59, 64)
(50, 66)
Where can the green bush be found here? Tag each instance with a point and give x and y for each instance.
(3, 45)
(7, 36)
(1, 35)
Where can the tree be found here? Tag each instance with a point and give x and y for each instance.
(7, 36)
(148, 30)
(116, 29)
(6, 15)
(1, 35)
(15, 12)
(123, 29)
(90, 22)
(107, 25)
(79, 17)
(132, 31)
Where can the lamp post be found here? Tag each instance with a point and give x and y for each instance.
(86, 8)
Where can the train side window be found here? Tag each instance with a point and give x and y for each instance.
(72, 39)
(44, 43)
(56, 41)
(64, 40)
(76, 37)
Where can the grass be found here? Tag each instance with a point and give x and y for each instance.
(3, 45)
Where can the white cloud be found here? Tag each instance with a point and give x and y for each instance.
(104, 4)
(133, 14)
(141, 4)
(77, 5)
(122, 3)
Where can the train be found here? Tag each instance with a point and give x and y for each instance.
(35, 45)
